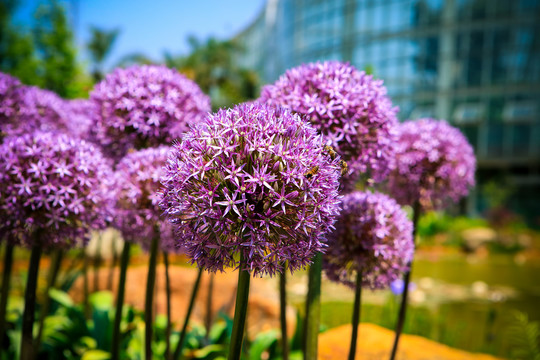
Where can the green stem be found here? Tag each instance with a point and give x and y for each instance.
(56, 261)
(27, 342)
(183, 334)
(406, 281)
(150, 284)
(97, 262)
(313, 308)
(209, 301)
(86, 290)
(356, 315)
(6, 278)
(240, 311)
(283, 313)
(113, 263)
(116, 338)
(168, 292)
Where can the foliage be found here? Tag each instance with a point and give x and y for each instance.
(17, 55)
(44, 56)
(55, 47)
(434, 223)
(69, 335)
(99, 46)
(212, 65)
(524, 337)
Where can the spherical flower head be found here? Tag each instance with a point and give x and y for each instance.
(435, 164)
(373, 237)
(138, 177)
(10, 97)
(80, 115)
(36, 110)
(253, 180)
(348, 107)
(53, 184)
(145, 106)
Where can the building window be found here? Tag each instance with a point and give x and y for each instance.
(520, 111)
(469, 113)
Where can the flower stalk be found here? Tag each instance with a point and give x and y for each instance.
(283, 314)
(56, 261)
(313, 308)
(208, 316)
(183, 334)
(27, 341)
(406, 281)
(149, 300)
(356, 315)
(116, 338)
(240, 310)
(6, 278)
(168, 295)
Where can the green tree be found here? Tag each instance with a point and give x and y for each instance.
(100, 46)
(56, 50)
(17, 55)
(134, 59)
(211, 65)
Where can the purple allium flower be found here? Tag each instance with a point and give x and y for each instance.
(138, 177)
(373, 236)
(348, 107)
(254, 179)
(10, 97)
(27, 109)
(145, 106)
(80, 115)
(434, 163)
(54, 184)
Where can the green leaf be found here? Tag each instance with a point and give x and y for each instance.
(218, 333)
(69, 280)
(88, 342)
(262, 343)
(160, 322)
(61, 297)
(209, 352)
(296, 355)
(101, 300)
(96, 355)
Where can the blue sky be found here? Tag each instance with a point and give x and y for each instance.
(152, 27)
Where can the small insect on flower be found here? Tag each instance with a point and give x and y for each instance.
(312, 172)
(344, 167)
(330, 151)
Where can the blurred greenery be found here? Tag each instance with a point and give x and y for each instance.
(211, 64)
(100, 46)
(524, 337)
(45, 55)
(69, 335)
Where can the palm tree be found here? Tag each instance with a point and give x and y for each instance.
(212, 65)
(100, 46)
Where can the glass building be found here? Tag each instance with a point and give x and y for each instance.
(475, 63)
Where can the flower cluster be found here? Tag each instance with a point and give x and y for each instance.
(80, 115)
(55, 185)
(145, 106)
(10, 97)
(373, 238)
(138, 183)
(26, 109)
(434, 163)
(348, 107)
(253, 180)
